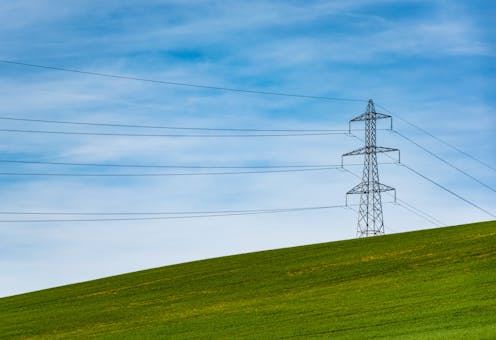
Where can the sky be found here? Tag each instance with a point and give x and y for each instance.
(430, 63)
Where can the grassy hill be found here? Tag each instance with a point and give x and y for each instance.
(431, 284)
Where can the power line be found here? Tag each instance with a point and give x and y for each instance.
(199, 212)
(478, 160)
(249, 91)
(436, 183)
(417, 214)
(181, 166)
(258, 135)
(407, 209)
(407, 205)
(163, 127)
(163, 82)
(219, 214)
(420, 213)
(443, 160)
(164, 174)
(448, 190)
(172, 135)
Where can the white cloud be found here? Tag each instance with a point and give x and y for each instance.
(247, 45)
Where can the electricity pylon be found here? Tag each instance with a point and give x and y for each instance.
(370, 217)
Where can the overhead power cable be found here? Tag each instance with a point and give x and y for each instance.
(163, 82)
(180, 166)
(248, 91)
(119, 125)
(460, 151)
(448, 190)
(437, 184)
(199, 212)
(216, 214)
(163, 174)
(136, 213)
(173, 135)
(444, 160)
(416, 211)
(434, 220)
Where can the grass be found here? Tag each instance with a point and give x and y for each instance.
(430, 284)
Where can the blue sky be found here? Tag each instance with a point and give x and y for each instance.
(431, 62)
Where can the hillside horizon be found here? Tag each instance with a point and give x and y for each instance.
(433, 283)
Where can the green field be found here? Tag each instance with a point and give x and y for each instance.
(430, 284)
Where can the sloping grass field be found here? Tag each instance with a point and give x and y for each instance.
(430, 284)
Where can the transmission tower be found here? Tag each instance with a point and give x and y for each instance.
(370, 217)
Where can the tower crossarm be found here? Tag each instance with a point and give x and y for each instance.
(370, 116)
(366, 150)
(370, 149)
(362, 188)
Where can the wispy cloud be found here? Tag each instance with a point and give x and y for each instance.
(426, 60)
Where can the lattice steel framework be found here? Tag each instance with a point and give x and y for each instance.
(370, 217)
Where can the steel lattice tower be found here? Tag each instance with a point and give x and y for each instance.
(370, 217)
